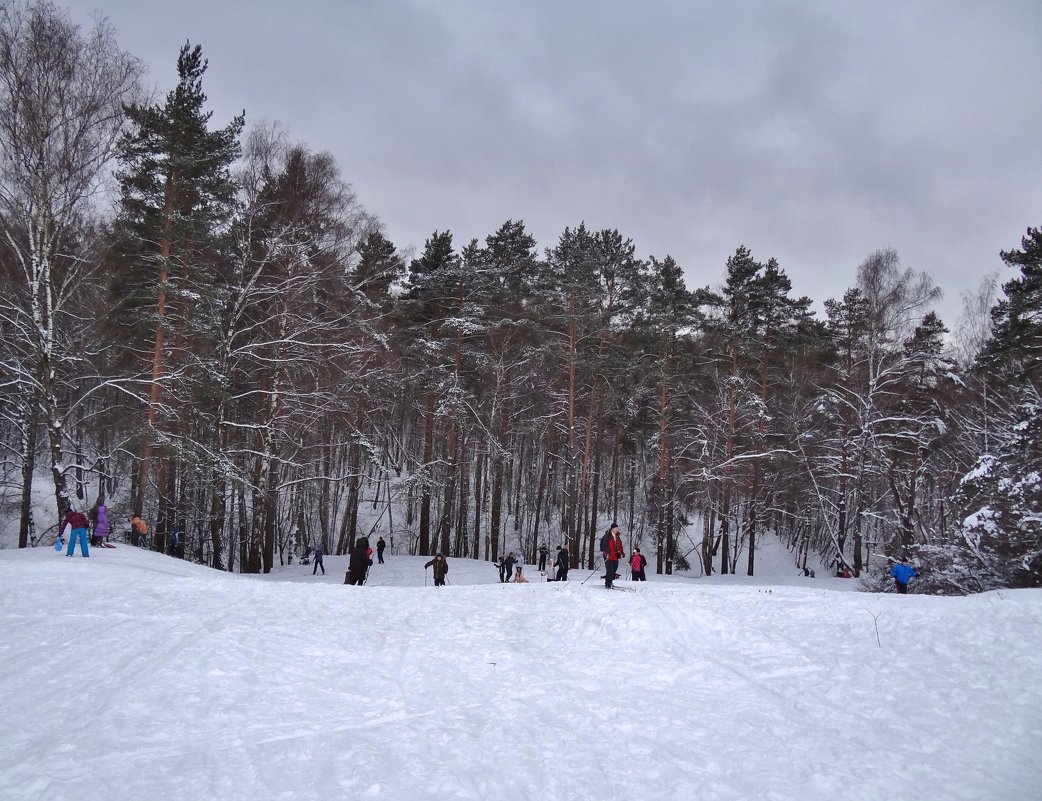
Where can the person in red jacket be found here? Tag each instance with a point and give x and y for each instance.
(79, 523)
(612, 551)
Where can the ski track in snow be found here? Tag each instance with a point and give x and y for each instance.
(134, 676)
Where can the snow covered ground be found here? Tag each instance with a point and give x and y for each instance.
(134, 676)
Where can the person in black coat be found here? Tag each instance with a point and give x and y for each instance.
(441, 567)
(358, 564)
(561, 563)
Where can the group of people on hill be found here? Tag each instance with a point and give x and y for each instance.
(360, 559)
(511, 565)
(613, 553)
(78, 526)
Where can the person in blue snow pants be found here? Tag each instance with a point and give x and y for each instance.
(78, 523)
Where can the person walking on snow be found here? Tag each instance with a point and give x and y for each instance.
(562, 563)
(612, 551)
(637, 564)
(441, 567)
(508, 566)
(358, 564)
(903, 573)
(78, 523)
(318, 560)
(380, 545)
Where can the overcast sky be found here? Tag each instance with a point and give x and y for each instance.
(814, 132)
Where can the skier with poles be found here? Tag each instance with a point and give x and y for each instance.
(612, 551)
(441, 567)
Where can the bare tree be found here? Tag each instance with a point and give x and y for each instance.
(61, 110)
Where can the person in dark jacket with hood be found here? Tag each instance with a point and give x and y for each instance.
(441, 567)
(358, 564)
(318, 560)
(562, 563)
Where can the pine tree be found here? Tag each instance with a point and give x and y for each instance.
(177, 200)
(1016, 342)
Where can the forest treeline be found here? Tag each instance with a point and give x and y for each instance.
(203, 326)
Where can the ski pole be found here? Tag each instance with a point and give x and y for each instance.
(591, 575)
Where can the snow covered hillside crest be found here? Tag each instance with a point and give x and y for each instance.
(131, 675)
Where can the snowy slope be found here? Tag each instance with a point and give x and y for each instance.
(131, 675)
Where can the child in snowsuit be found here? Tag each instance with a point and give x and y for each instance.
(441, 567)
(318, 560)
(101, 527)
(637, 564)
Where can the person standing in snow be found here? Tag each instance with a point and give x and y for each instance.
(78, 524)
(637, 565)
(903, 573)
(101, 527)
(508, 566)
(138, 531)
(612, 551)
(380, 545)
(318, 561)
(358, 564)
(519, 564)
(543, 551)
(562, 563)
(441, 567)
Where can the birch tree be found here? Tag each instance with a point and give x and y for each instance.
(62, 93)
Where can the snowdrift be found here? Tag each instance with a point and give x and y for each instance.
(130, 675)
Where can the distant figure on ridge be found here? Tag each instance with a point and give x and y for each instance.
(380, 545)
(318, 560)
(543, 551)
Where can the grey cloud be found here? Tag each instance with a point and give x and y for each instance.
(812, 131)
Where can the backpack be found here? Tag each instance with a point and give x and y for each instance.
(606, 541)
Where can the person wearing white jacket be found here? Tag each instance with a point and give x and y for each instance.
(519, 562)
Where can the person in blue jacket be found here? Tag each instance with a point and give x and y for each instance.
(903, 573)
